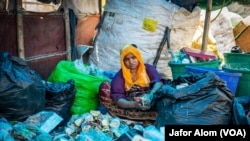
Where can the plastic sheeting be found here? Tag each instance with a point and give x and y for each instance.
(84, 8)
(85, 30)
(241, 112)
(36, 6)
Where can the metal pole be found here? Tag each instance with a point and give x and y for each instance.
(206, 25)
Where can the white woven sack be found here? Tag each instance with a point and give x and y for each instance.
(123, 24)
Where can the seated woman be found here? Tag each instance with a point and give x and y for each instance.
(132, 88)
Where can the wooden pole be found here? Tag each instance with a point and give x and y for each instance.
(100, 7)
(67, 29)
(206, 25)
(20, 42)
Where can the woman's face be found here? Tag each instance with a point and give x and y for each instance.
(131, 61)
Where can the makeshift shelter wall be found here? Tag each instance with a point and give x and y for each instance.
(39, 35)
(44, 40)
(88, 15)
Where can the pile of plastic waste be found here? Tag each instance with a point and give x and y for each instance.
(90, 126)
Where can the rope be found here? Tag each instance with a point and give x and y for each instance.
(219, 11)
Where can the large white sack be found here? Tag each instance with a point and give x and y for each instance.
(221, 29)
(123, 24)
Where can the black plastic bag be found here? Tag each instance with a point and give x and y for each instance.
(205, 101)
(60, 97)
(22, 91)
(50, 1)
(187, 4)
(241, 110)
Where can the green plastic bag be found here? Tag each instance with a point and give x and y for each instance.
(87, 86)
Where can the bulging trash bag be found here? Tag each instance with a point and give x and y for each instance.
(187, 4)
(22, 91)
(241, 110)
(205, 101)
(60, 98)
(87, 86)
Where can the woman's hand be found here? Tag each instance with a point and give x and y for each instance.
(138, 105)
(144, 101)
(135, 88)
(130, 104)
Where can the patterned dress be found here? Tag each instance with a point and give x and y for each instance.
(111, 92)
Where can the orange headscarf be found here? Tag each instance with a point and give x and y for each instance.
(142, 78)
